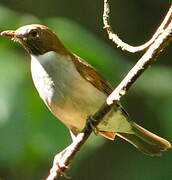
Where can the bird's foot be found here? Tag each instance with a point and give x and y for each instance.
(91, 123)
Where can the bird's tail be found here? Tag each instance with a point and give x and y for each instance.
(145, 141)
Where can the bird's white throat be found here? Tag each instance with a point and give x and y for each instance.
(46, 70)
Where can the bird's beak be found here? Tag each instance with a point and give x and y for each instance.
(10, 33)
(15, 37)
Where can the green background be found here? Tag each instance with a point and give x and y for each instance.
(30, 135)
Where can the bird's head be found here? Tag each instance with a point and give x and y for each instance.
(36, 39)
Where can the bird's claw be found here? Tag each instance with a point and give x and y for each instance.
(90, 122)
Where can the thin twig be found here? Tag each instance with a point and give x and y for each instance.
(150, 55)
(62, 161)
(125, 46)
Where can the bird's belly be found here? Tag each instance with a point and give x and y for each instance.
(72, 105)
(70, 99)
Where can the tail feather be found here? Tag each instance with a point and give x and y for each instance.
(145, 141)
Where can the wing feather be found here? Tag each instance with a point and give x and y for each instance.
(91, 75)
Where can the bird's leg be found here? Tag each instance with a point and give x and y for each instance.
(91, 123)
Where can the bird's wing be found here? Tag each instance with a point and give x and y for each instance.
(91, 75)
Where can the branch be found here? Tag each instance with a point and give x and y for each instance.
(125, 46)
(63, 159)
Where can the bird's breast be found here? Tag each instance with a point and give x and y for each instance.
(69, 96)
(42, 79)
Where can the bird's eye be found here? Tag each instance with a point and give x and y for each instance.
(34, 33)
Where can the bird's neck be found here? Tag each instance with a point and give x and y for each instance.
(53, 65)
(51, 58)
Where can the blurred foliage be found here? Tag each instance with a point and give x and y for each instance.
(30, 135)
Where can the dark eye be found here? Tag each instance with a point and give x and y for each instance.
(34, 33)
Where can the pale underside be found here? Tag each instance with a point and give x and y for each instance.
(69, 96)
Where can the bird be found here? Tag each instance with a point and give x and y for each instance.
(72, 89)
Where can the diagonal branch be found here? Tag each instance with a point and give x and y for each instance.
(63, 159)
(125, 46)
